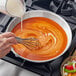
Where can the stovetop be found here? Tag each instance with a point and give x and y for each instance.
(64, 8)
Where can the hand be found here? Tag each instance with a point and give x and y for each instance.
(6, 40)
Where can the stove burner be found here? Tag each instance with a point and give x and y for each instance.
(42, 3)
(64, 7)
(69, 8)
(57, 2)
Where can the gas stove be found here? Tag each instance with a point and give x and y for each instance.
(64, 8)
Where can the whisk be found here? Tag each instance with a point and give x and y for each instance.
(30, 43)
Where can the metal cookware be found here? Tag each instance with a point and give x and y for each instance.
(47, 14)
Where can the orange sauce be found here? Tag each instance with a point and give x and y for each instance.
(52, 37)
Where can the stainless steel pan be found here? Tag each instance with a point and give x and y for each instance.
(47, 14)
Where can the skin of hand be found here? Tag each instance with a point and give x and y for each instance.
(6, 41)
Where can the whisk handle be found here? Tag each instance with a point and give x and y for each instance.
(19, 40)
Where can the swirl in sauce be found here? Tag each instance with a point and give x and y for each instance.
(52, 37)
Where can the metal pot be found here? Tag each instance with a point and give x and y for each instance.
(47, 14)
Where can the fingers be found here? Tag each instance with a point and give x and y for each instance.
(7, 42)
(7, 50)
(4, 52)
(6, 35)
(11, 40)
(5, 47)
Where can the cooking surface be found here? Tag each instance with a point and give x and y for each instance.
(66, 9)
(50, 34)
